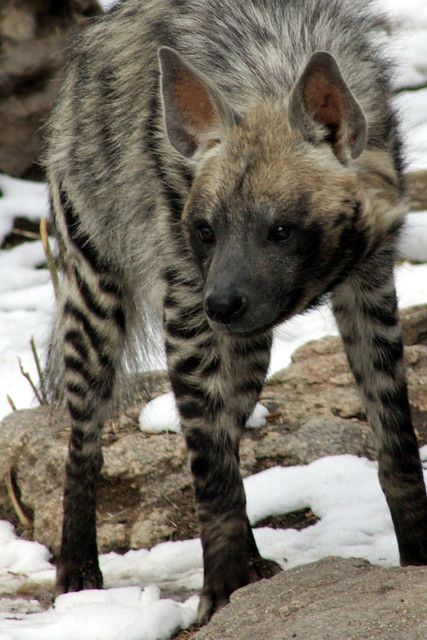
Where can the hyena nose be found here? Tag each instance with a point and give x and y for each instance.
(225, 306)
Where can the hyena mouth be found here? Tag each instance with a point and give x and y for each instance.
(250, 333)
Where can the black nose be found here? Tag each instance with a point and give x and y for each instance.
(225, 306)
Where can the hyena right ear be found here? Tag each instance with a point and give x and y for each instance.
(322, 95)
(196, 113)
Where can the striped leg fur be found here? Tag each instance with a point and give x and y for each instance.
(216, 382)
(90, 333)
(366, 311)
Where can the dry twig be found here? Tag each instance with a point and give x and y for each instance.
(11, 402)
(22, 516)
(27, 376)
(42, 388)
(51, 264)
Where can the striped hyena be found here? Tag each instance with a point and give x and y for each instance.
(236, 161)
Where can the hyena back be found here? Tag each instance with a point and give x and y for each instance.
(237, 161)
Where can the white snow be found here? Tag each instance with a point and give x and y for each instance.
(21, 198)
(126, 613)
(343, 491)
(413, 243)
(161, 414)
(258, 417)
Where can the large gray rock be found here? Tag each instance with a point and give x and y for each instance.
(417, 189)
(34, 38)
(145, 493)
(332, 599)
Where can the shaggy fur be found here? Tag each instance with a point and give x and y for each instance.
(229, 181)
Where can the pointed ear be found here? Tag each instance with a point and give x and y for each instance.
(321, 95)
(196, 114)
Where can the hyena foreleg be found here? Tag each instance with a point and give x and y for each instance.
(90, 337)
(216, 382)
(365, 307)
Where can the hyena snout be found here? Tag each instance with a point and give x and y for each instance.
(226, 305)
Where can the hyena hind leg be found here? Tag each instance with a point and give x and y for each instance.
(365, 307)
(89, 337)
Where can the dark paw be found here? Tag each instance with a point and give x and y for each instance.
(74, 577)
(261, 568)
(224, 574)
(414, 557)
(208, 605)
(413, 545)
(217, 595)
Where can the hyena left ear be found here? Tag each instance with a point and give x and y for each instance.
(322, 95)
(196, 113)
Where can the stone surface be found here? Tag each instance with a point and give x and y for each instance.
(145, 493)
(417, 189)
(34, 36)
(332, 599)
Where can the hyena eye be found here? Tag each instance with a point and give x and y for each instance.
(206, 233)
(279, 233)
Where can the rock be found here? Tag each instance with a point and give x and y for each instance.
(34, 36)
(332, 599)
(317, 438)
(145, 492)
(417, 189)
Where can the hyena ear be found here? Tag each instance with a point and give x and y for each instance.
(196, 114)
(321, 95)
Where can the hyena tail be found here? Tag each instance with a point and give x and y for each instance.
(86, 357)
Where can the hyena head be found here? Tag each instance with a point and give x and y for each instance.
(275, 216)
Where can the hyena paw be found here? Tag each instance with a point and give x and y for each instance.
(217, 594)
(412, 538)
(76, 577)
(261, 568)
(415, 553)
(209, 603)
(229, 573)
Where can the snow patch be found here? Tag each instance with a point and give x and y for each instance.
(161, 414)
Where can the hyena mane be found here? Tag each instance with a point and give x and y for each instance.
(221, 166)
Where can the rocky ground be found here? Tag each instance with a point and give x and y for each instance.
(332, 599)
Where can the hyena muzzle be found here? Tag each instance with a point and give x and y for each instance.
(235, 160)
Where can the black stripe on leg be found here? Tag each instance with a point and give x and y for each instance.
(119, 318)
(384, 310)
(177, 330)
(80, 239)
(187, 365)
(182, 388)
(89, 297)
(190, 409)
(80, 414)
(388, 353)
(96, 340)
(176, 278)
(211, 367)
(107, 285)
(76, 389)
(116, 314)
(79, 367)
(75, 339)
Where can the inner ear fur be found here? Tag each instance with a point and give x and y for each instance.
(322, 95)
(196, 113)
